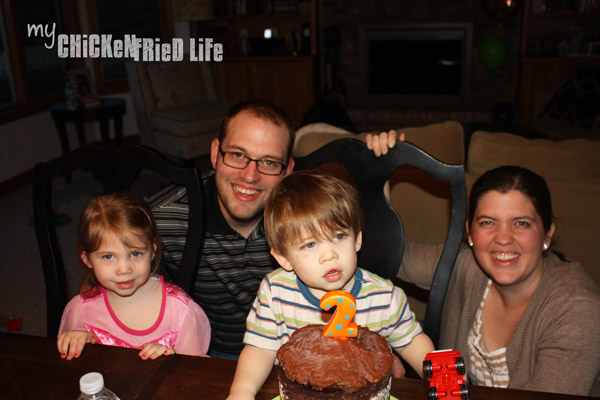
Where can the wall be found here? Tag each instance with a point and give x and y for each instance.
(488, 88)
(27, 141)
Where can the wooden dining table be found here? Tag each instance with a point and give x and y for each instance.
(31, 368)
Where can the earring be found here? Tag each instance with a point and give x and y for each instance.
(470, 243)
(545, 246)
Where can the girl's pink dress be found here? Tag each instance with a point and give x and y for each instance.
(181, 325)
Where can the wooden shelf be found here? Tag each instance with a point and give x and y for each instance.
(260, 17)
(285, 81)
(270, 71)
(583, 59)
(541, 75)
(268, 58)
(564, 14)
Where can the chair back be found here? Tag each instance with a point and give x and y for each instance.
(383, 236)
(114, 170)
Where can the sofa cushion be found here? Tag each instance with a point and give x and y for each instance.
(577, 220)
(444, 140)
(186, 148)
(176, 84)
(187, 132)
(191, 120)
(313, 136)
(567, 159)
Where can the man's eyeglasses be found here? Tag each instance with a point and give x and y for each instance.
(235, 159)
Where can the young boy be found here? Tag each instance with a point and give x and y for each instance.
(314, 226)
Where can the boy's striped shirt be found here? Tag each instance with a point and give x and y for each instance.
(284, 304)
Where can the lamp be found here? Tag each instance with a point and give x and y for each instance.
(194, 10)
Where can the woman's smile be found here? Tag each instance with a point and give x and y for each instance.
(508, 235)
(505, 256)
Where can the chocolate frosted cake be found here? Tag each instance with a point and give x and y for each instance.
(316, 367)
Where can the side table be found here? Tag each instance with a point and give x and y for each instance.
(109, 107)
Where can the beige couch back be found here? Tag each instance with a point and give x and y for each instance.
(567, 159)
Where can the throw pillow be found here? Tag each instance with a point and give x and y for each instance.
(175, 84)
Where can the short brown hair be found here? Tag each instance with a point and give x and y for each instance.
(125, 214)
(312, 202)
(262, 110)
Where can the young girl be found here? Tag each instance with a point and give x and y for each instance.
(123, 302)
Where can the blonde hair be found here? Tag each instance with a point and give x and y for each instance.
(310, 202)
(124, 214)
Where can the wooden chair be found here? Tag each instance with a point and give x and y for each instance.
(383, 236)
(114, 170)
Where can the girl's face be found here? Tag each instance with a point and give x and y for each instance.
(323, 264)
(119, 268)
(508, 237)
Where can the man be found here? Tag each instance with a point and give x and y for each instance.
(252, 153)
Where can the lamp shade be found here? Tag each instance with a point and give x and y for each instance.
(193, 10)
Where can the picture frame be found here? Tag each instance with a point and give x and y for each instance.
(83, 85)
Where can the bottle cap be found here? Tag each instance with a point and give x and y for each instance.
(91, 383)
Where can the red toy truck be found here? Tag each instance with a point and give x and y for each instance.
(445, 370)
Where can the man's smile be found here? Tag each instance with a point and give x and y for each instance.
(244, 191)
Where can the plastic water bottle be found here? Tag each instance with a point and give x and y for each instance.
(70, 99)
(92, 388)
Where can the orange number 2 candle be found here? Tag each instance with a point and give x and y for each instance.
(340, 325)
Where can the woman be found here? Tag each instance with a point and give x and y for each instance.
(522, 315)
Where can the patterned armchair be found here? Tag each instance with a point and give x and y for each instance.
(176, 108)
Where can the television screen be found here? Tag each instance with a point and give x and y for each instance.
(415, 67)
(416, 63)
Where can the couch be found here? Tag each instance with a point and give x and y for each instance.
(571, 168)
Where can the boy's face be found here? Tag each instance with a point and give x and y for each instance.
(323, 264)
